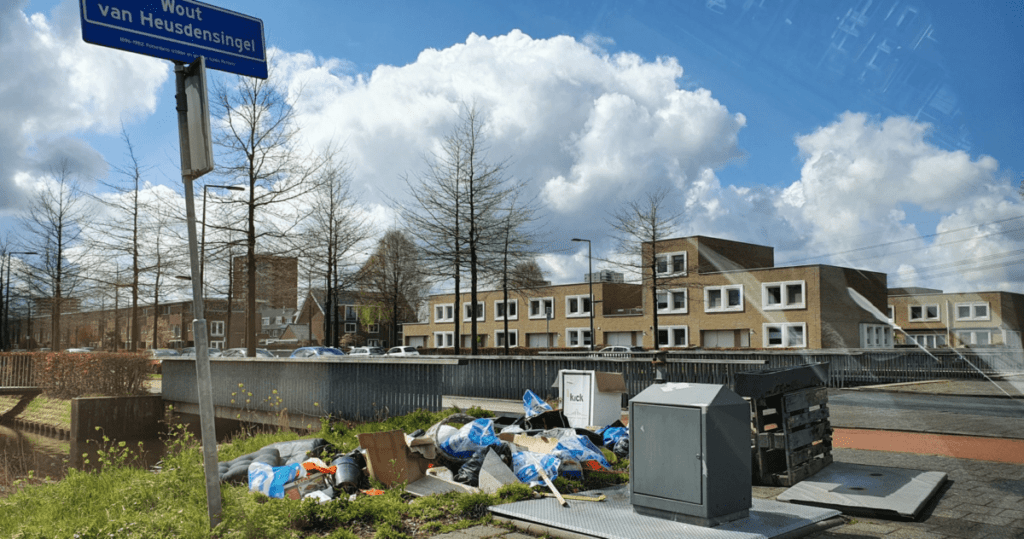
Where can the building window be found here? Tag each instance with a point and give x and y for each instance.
(540, 307)
(350, 312)
(972, 311)
(500, 308)
(444, 339)
(677, 336)
(785, 335)
(219, 345)
(671, 264)
(578, 336)
(513, 338)
(927, 341)
(875, 336)
(372, 342)
(576, 306)
(892, 313)
(467, 316)
(786, 295)
(444, 312)
(217, 329)
(266, 321)
(723, 298)
(922, 313)
(176, 330)
(974, 337)
(350, 327)
(373, 328)
(672, 301)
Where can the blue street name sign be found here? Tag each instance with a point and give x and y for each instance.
(179, 30)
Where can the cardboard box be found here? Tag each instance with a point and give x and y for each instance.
(389, 459)
(313, 482)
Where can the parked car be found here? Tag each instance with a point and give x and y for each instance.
(403, 351)
(190, 352)
(367, 351)
(156, 356)
(316, 351)
(619, 351)
(243, 352)
(83, 350)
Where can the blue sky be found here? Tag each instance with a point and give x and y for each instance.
(875, 134)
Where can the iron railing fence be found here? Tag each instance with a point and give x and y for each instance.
(17, 370)
(372, 388)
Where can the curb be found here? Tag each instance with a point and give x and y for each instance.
(42, 429)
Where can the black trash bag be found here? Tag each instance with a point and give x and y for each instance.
(621, 448)
(469, 473)
(504, 450)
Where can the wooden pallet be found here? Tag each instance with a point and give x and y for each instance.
(792, 436)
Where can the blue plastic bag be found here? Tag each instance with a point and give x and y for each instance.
(471, 438)
(580, 449)
(534, 405)
(270, 480)
(525, 464)
(612, 435)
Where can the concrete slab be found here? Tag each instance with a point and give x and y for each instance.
(495, 474)
(427, 485)
(616, 519)
(873, 491)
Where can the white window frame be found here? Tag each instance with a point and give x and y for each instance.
(581, 313)
(670, 296)
(350, 327)
(543, 303)
(444, 309)
(973, 333)
(671, 334)
(219, 345)
(447, 339)
(924, 313)
(176, 330)
(972, 308)
(217, 328)
(514, 303)
(372, 342)
(669, 267)
(513, 343)
(876, 336)
(930, 340)
(784, 329)
(579, 337)
(373, 328)
(784, 303)
(266, 321)
(482, 316)
(724, 290)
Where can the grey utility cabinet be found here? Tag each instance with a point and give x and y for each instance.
(689, 453)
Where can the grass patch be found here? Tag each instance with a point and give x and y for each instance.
(129, 502)
(42, 409)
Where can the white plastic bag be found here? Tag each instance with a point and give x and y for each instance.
(534, 405)
(471, 438)
(270, 480)
(526, 464)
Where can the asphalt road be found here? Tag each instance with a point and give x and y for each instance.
(950, 404)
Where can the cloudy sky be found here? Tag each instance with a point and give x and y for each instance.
(872, 134)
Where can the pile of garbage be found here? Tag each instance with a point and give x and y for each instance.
(481, 456)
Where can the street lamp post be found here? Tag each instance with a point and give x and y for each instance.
(202, 241)
(590, 280)
(5, 332)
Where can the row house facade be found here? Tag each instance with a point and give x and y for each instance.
(707, 292)
(933, 319)
(310, 323)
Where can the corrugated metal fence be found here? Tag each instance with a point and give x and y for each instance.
(373, 388)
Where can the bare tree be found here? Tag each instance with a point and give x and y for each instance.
(512, 249)
(258, 137)
(640, 224)
(163, 256)
(53, 224)
(456, 214)
(391, 284)
(331, 233)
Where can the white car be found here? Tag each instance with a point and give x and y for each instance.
(403, 351)
(367, 351)
(618, 351)
(242, 352)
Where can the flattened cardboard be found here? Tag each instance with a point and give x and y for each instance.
(610, 382)
(389, 460)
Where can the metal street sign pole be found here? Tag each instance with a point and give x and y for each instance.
(190, 86)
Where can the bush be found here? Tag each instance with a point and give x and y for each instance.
(69, 375)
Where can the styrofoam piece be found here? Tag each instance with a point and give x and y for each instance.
(615, 518)
(857, 489)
